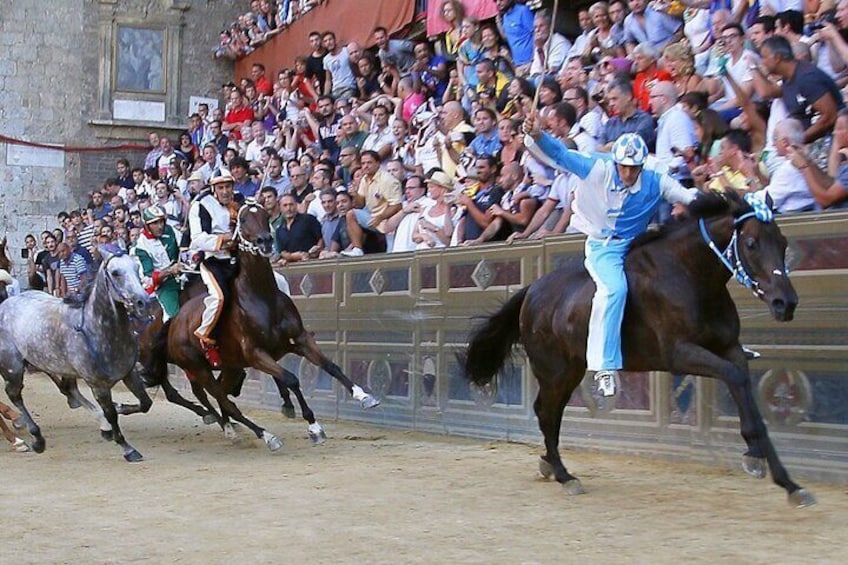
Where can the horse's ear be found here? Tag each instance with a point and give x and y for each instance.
(105, 252)
(769, 201)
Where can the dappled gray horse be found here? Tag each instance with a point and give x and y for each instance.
(91, 338)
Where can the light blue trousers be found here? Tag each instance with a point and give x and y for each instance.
(605, 263)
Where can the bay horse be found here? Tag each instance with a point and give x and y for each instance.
(258, 327)
(679, 318)
(90, 337)
(153, 360)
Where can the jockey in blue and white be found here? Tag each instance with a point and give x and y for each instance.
(615, 202)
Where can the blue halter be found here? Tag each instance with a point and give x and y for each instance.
(730, 257)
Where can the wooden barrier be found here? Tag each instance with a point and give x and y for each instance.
(395, 323)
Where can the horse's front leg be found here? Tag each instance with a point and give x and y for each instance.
(305, 346)
(174, 397)
(229, 408)
(103, 394)
(14, 389)
(135, 385)
(695, 360)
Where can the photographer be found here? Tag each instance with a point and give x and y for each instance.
(832, 31)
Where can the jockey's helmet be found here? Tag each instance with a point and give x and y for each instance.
(630, 150)
(153, 214)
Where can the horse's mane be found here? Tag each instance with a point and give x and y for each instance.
(707, 205)
(78, 300)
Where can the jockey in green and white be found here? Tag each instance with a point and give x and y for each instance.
(157, 249)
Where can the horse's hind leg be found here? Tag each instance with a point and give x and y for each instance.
(103, 394)
(68, 386)
(733, 370)
(290, 382)
(288, 408)
(173, 396)
(557, 380)
(307, 347)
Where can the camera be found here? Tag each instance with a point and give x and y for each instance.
(829, 17)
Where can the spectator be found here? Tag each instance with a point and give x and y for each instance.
(790, 24)
(487, 140)
(274, 177)
(806, 90)
(403, 223)
(605, 38)
(340, 81)
(435, 224)
(239, 115)
(549, 49)
(314, 64)
(377, 199)
(452, 13)
(787, 187)
(645, 24)
(627, 118)
(298, 235)
(330, 220)
(400, 50)
(581, 43)
(74, 275)
(647, 74)
(516, 208)
(155, 152)
(263, 85)
(475, 219)
(516, 23)
(829, 189)
(244, 185)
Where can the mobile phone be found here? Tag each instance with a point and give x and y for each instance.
(24, 253)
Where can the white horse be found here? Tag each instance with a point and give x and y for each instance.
(92, 338)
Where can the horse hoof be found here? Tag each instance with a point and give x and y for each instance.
(38, 445)
(369, 401)
(106, 434)
(288, 411)
(230, 432)
(801, 498)
(273, 442)
(316, 434)
(133, 456)
(754, 466)
(573, 487)
(20, 446)
(546, 469)
(209, 419)
(18, 424)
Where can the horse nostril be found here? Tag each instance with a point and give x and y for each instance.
(778, 305)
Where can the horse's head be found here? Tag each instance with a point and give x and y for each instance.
(760, 249)
(253, 230)
(120, 272)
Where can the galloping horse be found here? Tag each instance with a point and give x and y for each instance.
(679, 318)
(90, 337)
(260, 326)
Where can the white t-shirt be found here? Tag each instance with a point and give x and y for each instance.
(339, 67)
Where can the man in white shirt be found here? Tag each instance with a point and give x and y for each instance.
(676, 137)
(549, 49)
(340, 81)
(260, 140)
(787, 187)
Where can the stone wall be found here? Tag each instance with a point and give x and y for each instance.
(57, 88)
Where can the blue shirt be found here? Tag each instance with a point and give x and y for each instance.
(247, 189)
(639, 122)
(518, 27)
(481, 145)
(658, 29)
(603, 207)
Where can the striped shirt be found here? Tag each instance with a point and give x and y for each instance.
(72, 270)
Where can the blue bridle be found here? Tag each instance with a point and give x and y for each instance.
(730, 257)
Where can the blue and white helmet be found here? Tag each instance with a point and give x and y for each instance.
(630, 150)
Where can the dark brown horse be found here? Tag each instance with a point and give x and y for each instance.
(679, 318)
(258, 327)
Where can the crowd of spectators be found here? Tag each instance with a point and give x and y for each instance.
(418, 144)
(265, 19)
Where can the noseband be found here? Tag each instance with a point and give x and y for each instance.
(245, 244)
(730, 257)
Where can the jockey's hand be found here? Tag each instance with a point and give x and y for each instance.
(531, 125)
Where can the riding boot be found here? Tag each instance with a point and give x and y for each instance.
(211, 352)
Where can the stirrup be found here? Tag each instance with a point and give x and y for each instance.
(605, 382)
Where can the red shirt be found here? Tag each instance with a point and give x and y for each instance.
(644, 81)
(264, 86)
(238, 117)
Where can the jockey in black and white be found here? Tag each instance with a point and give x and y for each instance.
(211, 221)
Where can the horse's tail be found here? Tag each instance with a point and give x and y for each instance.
(491, 343)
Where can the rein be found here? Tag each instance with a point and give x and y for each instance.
(730, 257)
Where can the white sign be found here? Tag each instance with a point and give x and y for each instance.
(138, 110)
(195, 101)
(23, 156)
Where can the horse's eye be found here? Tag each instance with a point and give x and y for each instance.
(116, 274)
(750, 242)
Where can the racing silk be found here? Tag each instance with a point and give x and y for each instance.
(208, 220)
(603, 207)
(155, 255)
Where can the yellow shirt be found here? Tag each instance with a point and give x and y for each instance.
(734, 179)
(380, 191)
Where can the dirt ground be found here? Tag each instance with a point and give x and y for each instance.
(370, 495)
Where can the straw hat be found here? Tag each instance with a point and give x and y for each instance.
(222, 178)
(440, 178)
